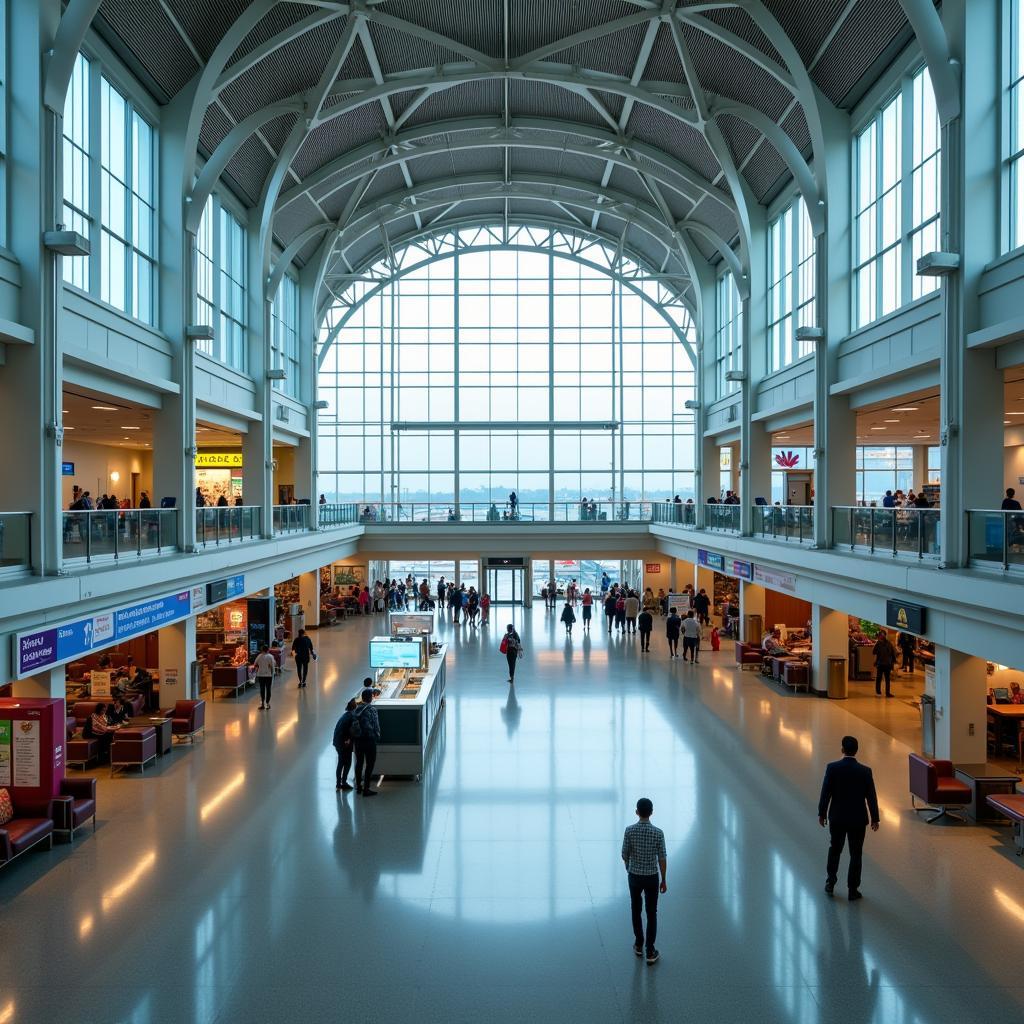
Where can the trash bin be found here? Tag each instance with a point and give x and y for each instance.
(927, 725)
(837, 688)
(752, 629)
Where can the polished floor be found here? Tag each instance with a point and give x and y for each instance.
(233, 884)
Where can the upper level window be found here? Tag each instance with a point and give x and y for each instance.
(896, 206)
(284, 335)
(127, 251)
(221, 283)
(1015, 233)
(729, 337)
(77, 168)
(791, 284)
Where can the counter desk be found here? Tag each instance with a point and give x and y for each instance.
(408, 719)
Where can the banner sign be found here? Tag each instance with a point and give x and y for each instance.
(774, 580)
(218, 460)
(26, 753)
(39, 649)
(744, 570)
(711, 559)
(5, 754)
(652, 567)
(908, 617)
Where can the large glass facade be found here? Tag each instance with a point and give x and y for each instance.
(729, 333)
(791, 284)
(499, 369)
(76, 167)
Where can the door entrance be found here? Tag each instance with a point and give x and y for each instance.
(505, 586)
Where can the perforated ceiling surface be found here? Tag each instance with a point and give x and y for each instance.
(591, 113)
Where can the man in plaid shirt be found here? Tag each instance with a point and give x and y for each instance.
(643, 853)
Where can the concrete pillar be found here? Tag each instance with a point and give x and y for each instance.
(46, 684)
(751, 603)
(920, 470)
(176, 648)
(309, 597)
(830, 634)
(971, 427)
(33, 374)
(961, 685)
(258, 444)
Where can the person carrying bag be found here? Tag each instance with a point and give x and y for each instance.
(512, 647)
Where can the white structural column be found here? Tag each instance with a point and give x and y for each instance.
(174, 424)
(306, 455)
(961, 685)
(30, 413)
(309, 598)
(972, 387)
(755, 444)
(176, 648)
(831, 640)
(258, 443)
(835, 423)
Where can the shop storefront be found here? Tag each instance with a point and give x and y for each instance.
(219, 474)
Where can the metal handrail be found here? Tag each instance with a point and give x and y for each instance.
(228, 524)
(994, 534)
(784, 522)
(428, 512)
(892, 531)
(119, 532)
(16, 536)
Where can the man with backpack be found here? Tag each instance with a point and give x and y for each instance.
(302, 651)
(365, 732)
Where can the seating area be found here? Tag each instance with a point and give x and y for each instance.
(1011, 806)
(935, 784)
(37, 821)
(748, 655)
(188, 720)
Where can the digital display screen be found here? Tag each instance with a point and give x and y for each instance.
(411, 624)
(387, 653)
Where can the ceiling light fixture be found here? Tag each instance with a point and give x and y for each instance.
(131, 428)
(105, 408)
(1015, 414)
(921, 437)
(879, 428)
(891, 421)
(905, 408)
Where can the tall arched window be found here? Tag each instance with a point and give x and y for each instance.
(480, 368)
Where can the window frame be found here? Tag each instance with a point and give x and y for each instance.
(728, 328)
(801, 300)
(1012, 156)
(284, 335)
(899, 88)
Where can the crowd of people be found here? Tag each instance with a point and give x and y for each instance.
(83, 501)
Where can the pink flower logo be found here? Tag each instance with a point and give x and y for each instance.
(787, 460)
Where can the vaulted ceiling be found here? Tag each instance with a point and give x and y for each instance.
(654, 125)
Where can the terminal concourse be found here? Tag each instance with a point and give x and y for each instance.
(588, 401)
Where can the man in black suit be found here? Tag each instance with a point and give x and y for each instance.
(847, 799)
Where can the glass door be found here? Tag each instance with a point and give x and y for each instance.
(505, 586)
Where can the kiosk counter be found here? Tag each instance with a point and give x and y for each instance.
(410, 701)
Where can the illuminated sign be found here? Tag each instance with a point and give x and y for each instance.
(388, 653)
(218, 460)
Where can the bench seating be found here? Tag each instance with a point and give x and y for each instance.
(1011, 805)
(32, 824)
(134, 747)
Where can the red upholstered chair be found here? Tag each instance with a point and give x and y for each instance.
(80, 751)
(133, 748)
(188, 718)
(78, 807)
(747, 656)
(934, 783)
(30, 825)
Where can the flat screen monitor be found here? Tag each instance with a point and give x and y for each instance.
(388, 653)
(1001, 694)
(412, 623)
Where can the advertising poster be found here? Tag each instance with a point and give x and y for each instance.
(349, 575)
(99, 683)
(5, 754)
(26, 753)
(681, 603)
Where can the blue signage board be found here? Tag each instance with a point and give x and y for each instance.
(67, 469)
(744, 570)
(711, 559)
(39, 649)
(236, 586)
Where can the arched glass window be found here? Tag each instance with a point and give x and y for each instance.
(487, 365)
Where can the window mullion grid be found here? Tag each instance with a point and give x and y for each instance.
(1015, 145)
(908, 127)
(794, 280)
(94, 168)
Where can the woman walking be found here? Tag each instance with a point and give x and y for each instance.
(511, 647)
(588, 608)
(568, 617)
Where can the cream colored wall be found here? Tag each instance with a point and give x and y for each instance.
(285, 472)
(1013, 469)
(95, 462)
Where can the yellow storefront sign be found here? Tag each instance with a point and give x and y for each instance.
(218, 460)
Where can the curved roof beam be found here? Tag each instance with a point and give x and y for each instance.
(289, 254)
(715, 140)
(611, 272)
(219, 159)
(381, 17)
(724, 249)
(301, 129)
(587, 35)
(798, 167)
(67, 41)
(543, 187)
(274, 43)
(486, 133)
(203, 87)
(943, 71)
